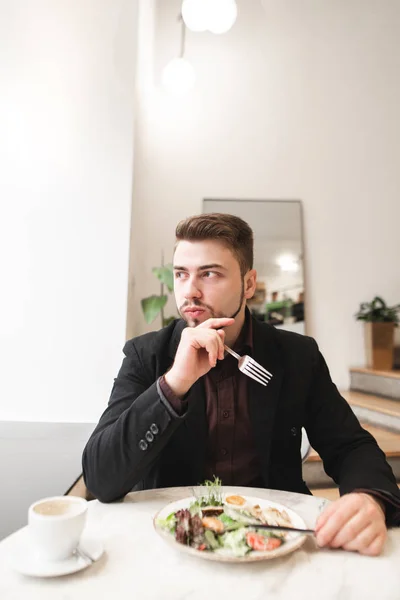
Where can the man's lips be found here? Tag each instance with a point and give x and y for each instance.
(194, 312)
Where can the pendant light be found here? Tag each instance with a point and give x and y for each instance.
(217, 16)
(179, 76)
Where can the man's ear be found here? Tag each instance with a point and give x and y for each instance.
(250, 283)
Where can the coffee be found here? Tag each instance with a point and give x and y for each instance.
(55, 508)
(55, 525)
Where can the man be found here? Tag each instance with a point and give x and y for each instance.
(181, 411)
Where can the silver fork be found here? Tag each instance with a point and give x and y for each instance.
(269, 527)
(250, 367)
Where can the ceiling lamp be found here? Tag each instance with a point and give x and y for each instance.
(223, 16)
(217, 16)
(195, 14)
(179, 76)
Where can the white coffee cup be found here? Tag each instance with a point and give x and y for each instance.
(55, 525)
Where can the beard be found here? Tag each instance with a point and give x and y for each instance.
(213, 313)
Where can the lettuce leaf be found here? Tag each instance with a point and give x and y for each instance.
(235, 541)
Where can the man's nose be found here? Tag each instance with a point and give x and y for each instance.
(192, 290)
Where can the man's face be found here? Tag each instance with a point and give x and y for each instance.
(207, 282)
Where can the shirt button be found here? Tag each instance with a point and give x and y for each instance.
(143, 445)
(224, 451)
(225, 414)
(293, 431)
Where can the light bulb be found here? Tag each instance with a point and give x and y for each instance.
(222, 16)
(195, 14)
(216, 16)
(179, 76)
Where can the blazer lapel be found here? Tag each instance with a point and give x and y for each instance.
(263, 400)
(194, 428)
(175, 338)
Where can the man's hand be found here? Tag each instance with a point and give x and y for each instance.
(354, 522)
(197, 353)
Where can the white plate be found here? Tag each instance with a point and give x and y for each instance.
(24, 559)
(292, 540)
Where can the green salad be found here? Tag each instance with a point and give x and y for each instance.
(225, 526)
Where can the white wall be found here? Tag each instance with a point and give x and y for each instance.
(298, 100)
(66, 104)
(37, 460)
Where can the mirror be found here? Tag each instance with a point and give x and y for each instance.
(278, 257)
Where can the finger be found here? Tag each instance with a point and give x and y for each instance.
(216, 323)
(376, 547)
(339, 514)
(364, 540)
(221, 336)
(212, 348)
(351, 502)
(212, 357)
(349, 532)
(325, 515)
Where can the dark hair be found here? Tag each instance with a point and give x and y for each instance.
(229, 230)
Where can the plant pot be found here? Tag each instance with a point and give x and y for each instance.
(379, 343)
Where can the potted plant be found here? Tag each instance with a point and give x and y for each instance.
(152, 306)
(380, 321)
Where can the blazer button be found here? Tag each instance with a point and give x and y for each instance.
(149, 436)
(293, 431)
(154, 428)
(143, 445)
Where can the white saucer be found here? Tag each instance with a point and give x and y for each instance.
(22, 557)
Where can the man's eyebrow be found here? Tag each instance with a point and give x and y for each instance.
(202, 268)
(212, 266)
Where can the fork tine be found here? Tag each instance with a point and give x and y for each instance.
(257, 369)
(257, 375)
(250, 367)
(250, 374)
(260, 367)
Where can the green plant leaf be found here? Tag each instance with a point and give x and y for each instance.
(168, 320)
(165, 275)
(377, 311)
(152, 306)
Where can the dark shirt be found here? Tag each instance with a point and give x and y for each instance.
(231, 453)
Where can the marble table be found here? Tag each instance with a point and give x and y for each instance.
(138, 564)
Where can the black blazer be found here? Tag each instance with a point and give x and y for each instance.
(140, 442)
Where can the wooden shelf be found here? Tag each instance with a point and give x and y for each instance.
(373, 402)
(394, 373)
(328, 493)
(388, 441)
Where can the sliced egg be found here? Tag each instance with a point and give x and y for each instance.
(236, 502)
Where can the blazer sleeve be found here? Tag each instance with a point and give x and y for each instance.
(350, 454)
(131, 433)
